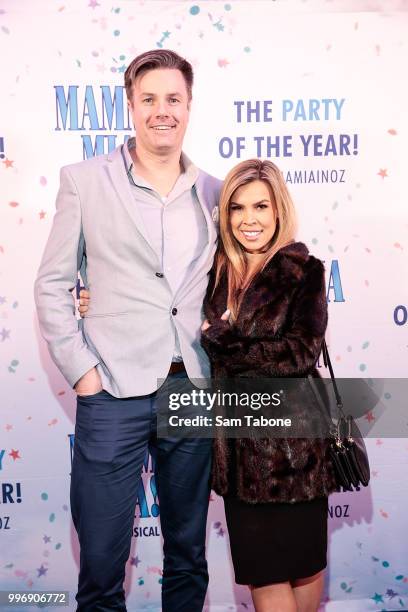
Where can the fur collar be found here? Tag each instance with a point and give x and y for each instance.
(290, 260)
(282, 274)
(286, 268)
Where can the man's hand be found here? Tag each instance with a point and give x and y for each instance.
(89, 384)
(84, 299)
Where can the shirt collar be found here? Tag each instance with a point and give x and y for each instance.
(187, 178)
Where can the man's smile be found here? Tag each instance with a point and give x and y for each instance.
(162, 127)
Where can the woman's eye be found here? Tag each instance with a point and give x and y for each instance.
(235, 207)
(262, 206)
(148, 100)
(173, 100)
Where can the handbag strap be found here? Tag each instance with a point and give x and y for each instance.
(328, 364)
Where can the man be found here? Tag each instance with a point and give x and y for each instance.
(137, 224)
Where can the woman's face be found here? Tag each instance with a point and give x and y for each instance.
(252, 216)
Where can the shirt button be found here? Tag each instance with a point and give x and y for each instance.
(159, 275)
(174, 311)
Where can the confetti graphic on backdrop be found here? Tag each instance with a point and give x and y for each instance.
(240, 51)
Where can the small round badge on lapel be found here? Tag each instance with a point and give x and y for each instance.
(215, 214)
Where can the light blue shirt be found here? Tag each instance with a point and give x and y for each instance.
(175, 224)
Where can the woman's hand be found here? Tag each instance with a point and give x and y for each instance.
(205, 325)
(224, 317)
(84, 299)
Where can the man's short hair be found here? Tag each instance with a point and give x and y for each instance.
(152, 60)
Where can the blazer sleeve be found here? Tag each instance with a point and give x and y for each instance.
(294, 352)
(57, 277)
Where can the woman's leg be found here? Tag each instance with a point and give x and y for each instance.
(308, 592)
(274, 598)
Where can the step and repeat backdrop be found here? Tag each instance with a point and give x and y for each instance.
(317, 87)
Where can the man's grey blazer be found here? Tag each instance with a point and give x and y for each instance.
(128, 332)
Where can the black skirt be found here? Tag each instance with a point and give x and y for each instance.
(276, 542)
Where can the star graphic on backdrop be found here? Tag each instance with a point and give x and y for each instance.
(122, 68)
(8, 163)
(8, 427)
(166, 34)
(379, 442)
(42, 214)
(93, 4)
(382, 172)
(390, 593)
(220, 532)
(46, 539)
(5, 333)
(2, 300)
(370, 417)
(378, 598)
(134, 561)
(15, 454)
(223, 63)
(42, 570)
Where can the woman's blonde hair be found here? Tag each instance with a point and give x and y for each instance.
(231, 255)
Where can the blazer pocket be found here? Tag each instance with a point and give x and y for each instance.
(104, 314)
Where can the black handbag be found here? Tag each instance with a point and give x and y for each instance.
(347, 449)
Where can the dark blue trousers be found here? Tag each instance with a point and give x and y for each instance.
(111, 439)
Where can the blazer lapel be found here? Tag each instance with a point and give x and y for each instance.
(206, 257)
(120, 182)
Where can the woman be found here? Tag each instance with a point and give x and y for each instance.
(266, 316)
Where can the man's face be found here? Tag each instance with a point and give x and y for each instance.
(160, 109)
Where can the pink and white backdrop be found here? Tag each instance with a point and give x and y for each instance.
(320, 88)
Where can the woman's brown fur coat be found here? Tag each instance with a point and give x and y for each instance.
(278, 333)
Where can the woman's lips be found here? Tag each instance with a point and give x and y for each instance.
(251, 235)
